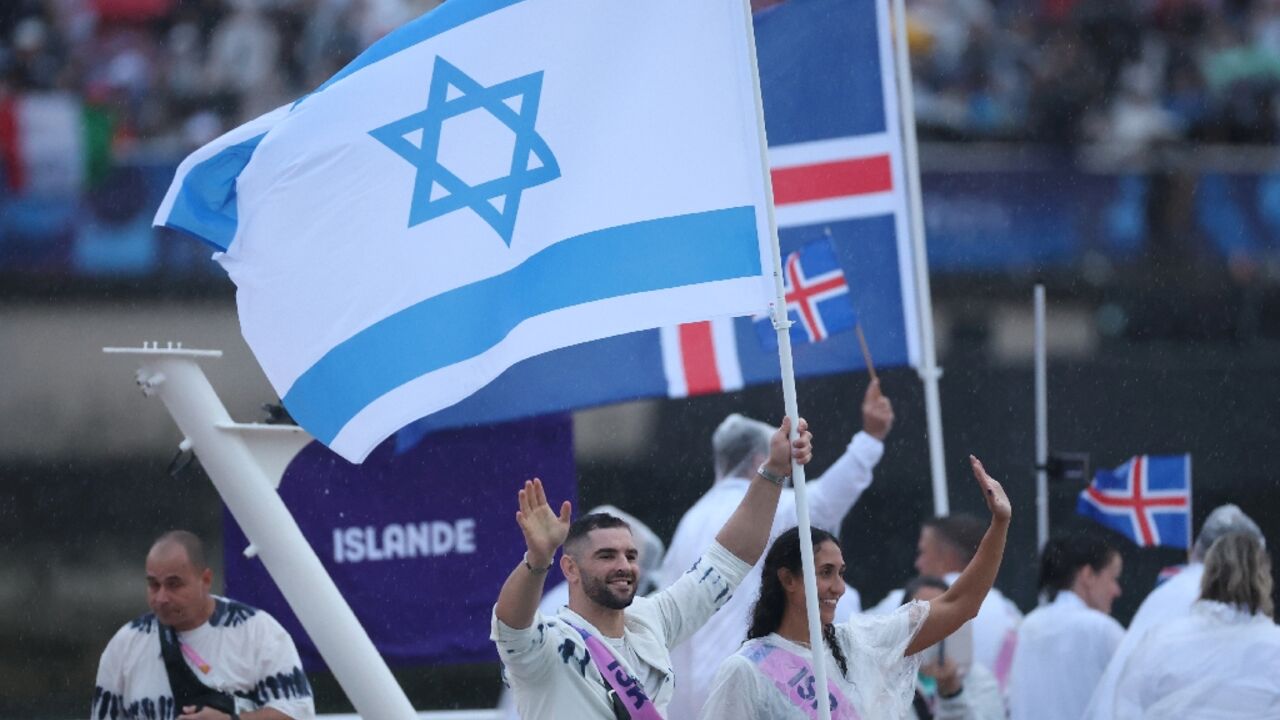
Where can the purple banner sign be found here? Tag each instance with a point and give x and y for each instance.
(419, 543)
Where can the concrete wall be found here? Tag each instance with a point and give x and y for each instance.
(61, 396)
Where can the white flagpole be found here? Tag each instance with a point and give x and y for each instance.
(1042, 424)
(782, 325)
(250, 494)
(929, 371)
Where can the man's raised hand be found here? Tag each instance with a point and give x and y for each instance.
(877, 412)
(544, 532)
(782, 449)
(992, 492)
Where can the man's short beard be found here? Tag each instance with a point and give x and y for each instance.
(600, 592)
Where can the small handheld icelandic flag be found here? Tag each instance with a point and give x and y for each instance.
(818, 302)
(1147, 499)
(496, 180)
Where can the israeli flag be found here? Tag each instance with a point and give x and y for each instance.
(496, 180)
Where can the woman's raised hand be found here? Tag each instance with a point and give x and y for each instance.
(992, 492)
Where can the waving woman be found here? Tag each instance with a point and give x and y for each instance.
(870, 665)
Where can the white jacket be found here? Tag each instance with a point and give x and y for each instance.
(1063, 648)
(554, 678)
(1170, 601)
(1218, 663)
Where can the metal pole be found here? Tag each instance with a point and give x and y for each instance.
(928, 371)
(1042, 424)
(174, 375)
(782, 325)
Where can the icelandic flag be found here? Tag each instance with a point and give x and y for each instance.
(835, 143)
(817, 297)
(493, 181)
(1147, 499)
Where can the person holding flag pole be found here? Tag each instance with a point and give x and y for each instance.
(874, 658)
(607, 653)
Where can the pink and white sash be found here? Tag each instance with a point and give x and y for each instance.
(619, 680)
(794, 678)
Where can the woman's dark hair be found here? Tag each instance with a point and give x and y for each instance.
(766, 615)
(1065, 555)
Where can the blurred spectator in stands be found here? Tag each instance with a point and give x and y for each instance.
(1061, 72)
(1242, 79)
(1065, 85)
(35, 60)
(1136, 121)
(329, 41)
(244, 59)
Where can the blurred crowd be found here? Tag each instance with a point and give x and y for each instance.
(1124, 72)
(1127, 72)
(176, 73)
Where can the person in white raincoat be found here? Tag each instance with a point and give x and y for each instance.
(871, 660)
(1169, 601)
(945, 690)
(1064, 646)
(1223, 660)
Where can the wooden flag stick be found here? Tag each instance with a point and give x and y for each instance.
(866, 352)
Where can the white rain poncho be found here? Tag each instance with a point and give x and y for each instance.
(1170, 601)
(880, 683)
(1063, 649)
(1219, 663)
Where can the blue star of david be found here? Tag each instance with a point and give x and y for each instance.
(532, 162)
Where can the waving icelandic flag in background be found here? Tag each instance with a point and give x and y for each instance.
(496, 180)
(817, 296)
(1147, 499)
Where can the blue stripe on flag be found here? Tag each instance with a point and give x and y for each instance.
(445, 17)
(466, 321)
(205, 207)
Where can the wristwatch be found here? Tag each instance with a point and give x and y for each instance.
(537, 570)
(763, 471)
